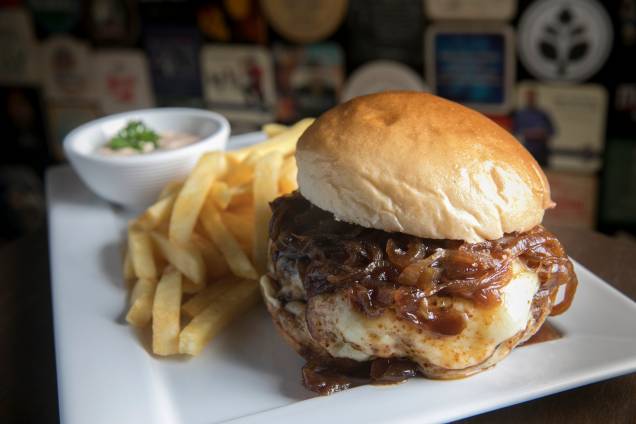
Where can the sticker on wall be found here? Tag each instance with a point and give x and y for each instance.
(67, 69)
(624, 114)
(304, 21)
(382, 75)
(239, 81)
(173, 53)
(472, 64)
(564, 40)
(308, 79)
(385, 30)
(123, 80)
(18, 61)
(237, 21)
(113, 21)
(470, 9)
(575, 197)
(563, 126)
(63, 117)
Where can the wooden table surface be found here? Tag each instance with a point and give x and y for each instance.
(28, 390)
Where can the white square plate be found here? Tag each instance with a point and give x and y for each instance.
(249, 375)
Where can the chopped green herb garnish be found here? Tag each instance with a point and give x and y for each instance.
(134, 135)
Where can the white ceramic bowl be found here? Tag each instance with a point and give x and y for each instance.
(135, 181)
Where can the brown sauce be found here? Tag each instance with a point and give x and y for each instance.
(546, 333)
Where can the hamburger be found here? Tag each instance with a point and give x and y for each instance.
(413, 244)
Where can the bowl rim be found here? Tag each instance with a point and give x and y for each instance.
(222, 132)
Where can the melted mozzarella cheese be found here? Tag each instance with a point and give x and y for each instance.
(346, 333)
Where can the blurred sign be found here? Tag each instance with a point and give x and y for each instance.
(67, 69)
(238, 21)
(624, 113)
(308, 79)
(563, 126)
(575, 198)
(305, 21)
(113, 21)
(564, 40)
(123, 80)
(382, 75)
(18, 61)
(239, 82)
(470, 9)
(472, 64)
(385, 29)
(173, 53)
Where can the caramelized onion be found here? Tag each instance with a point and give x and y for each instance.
(394, 271)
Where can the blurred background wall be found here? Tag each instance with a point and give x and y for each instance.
(559, 74)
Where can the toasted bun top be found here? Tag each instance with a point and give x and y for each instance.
(418, 164)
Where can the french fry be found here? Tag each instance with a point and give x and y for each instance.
(189, 287)
(141, 298)
(242, 196)
(190, 200)
(240, 222)
(215, 264)
(141, 254)
(221, 194)
(166, 309)
(172, 187)
(129, 270)
(195, 305)
(239, 174)
(207, 237)
(236, 259)
(288, 172)
(273, 129)
(184, 257)
(222, 310)
(265, 190)
(284, 142)
(156, 214)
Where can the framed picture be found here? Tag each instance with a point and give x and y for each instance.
(562, 125)
(473, 65)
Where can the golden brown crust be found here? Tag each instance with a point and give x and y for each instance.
(419, 164)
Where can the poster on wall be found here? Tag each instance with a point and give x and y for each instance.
(563, 126)
(18, 61)
(238, 81)
(382, 75)
(123, 80)
(472, 64)
(173, 53)
(67, 69)
(385, 30)
(308, 79)
(575, 196)
(113, 21)
(304, 21)
(470, 9)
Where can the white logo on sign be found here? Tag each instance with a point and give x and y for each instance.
(566, 40)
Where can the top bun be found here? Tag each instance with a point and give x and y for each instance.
(418, 164)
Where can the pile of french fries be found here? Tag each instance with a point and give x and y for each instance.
(194, 257)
